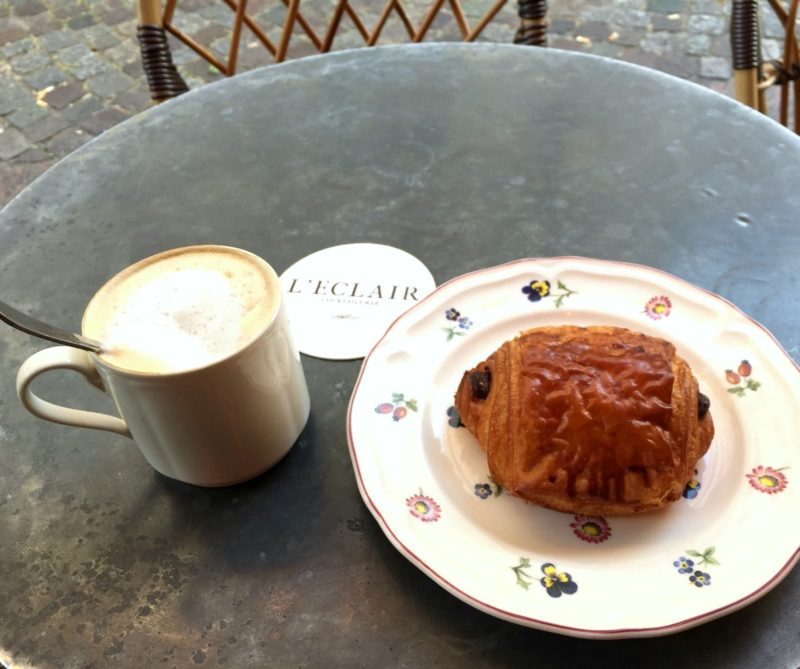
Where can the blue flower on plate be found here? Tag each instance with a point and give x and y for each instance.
(700, 579)
(557, 582)
(453, 419)
(536, 289)
(483, 490)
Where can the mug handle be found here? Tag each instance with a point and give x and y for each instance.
(64, 357)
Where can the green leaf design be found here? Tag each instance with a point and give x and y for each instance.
(397, 398)
(747, 384)
(566, 292)
(706, 557)
(453, 332)
(521, 574)
(412, 404)
(497, 489)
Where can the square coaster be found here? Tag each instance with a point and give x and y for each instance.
(341, 300)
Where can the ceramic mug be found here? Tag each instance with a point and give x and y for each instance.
(218, 424)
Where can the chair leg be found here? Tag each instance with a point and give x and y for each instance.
(532, 23)
(163, 78)
(746, 51)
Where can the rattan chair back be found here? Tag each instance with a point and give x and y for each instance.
(165, 81)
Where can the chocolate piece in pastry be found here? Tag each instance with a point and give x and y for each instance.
(600, 421)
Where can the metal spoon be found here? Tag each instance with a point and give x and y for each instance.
(36, 328)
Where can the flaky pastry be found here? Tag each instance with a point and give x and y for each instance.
(600, 420)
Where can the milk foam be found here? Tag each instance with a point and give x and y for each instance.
(181, 310)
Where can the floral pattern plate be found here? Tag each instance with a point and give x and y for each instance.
(423, 476)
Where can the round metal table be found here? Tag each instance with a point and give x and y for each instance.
(465, 156)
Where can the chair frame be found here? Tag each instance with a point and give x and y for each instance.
(166, 82)
(752, 76)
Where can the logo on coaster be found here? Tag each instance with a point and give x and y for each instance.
(344, 292)
(342, 299)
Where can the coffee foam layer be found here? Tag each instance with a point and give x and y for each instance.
(181, 310)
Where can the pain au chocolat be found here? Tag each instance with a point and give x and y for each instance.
(599, 420)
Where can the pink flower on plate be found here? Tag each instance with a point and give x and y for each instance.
(593, 529)
(423, 507)
(768, 480)
(658, 307)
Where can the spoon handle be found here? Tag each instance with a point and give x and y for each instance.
(36, 328)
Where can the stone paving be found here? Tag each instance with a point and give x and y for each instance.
(70, 69)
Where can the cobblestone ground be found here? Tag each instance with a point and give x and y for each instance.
(70, 69)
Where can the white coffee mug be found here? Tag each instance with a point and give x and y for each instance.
(215, 425)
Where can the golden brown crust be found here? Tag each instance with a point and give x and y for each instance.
(599, 421)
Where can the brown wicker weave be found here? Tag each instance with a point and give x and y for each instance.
(532, 23)
(165, 81)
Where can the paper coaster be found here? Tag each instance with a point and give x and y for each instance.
(342, 299)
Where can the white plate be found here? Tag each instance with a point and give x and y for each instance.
(427, 482)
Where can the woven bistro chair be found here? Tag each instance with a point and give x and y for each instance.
(753, 77)
(166, 82)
